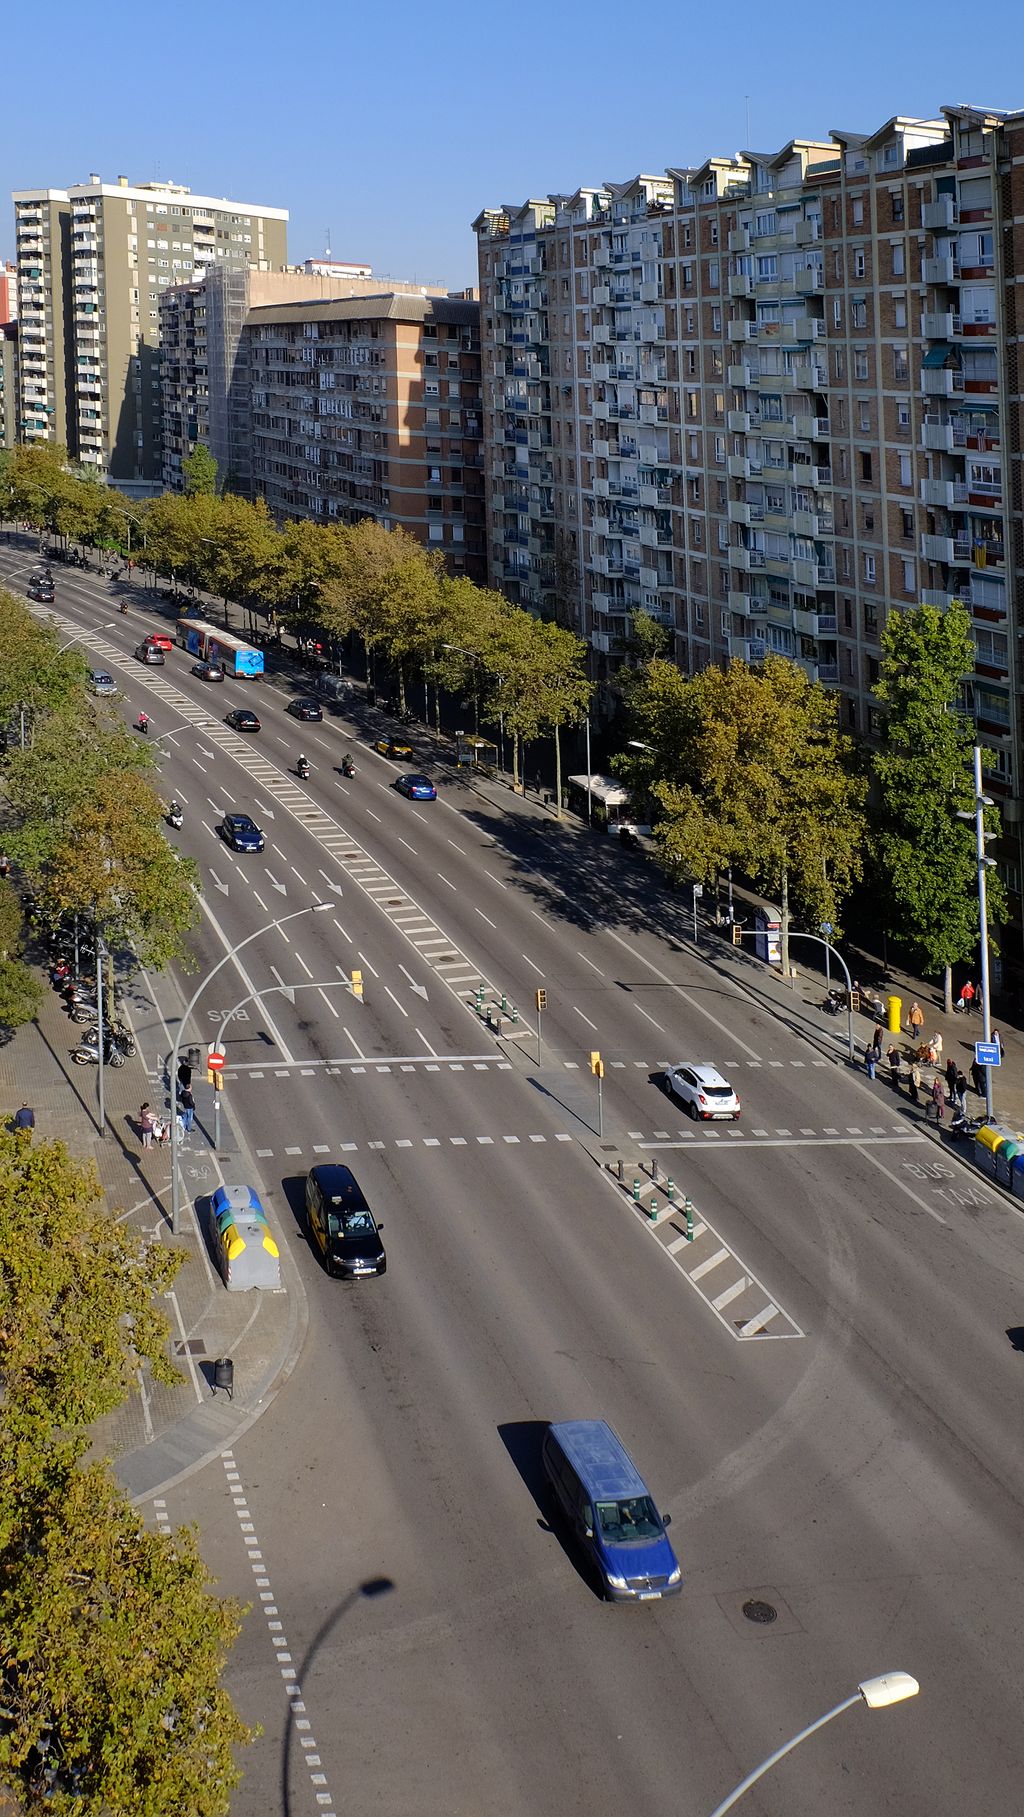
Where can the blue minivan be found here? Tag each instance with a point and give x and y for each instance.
(610, 1510)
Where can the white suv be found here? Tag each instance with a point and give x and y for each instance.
(700, 1086)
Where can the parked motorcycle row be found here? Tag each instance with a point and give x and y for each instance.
(76, 987)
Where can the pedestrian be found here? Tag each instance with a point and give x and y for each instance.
(950, 1077)
(936, 1048)
(915, 1021)
(184, 1074)
(998, 1039)
(187, 1105)
(893, 1058)
(146, 1124)
(877, 1039)
(915, 1082)
(870, 1059)
(965, 1001)
(978, 1078)
(938, 1103)
(25, 1119)
(960, 1091)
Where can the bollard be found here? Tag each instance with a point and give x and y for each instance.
(504, 1004)
(479, 999)
(655, 1170)
(688, 1208)
(670, 1188)
(620, 1171)
(224, 1376)
(653, 1211)
(515, 1015)
(636, 1192)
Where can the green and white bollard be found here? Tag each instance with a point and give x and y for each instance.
(636, 1192)
(515, 1015)
(653, 1211)
(670, 1190)
(479, 999)
(688, 1209)
(504, 1004)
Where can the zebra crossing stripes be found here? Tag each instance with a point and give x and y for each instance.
(734, 1296)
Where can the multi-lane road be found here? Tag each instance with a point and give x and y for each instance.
(829, 1408)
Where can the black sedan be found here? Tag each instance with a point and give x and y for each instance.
(306, 709)
(208, 671)
(241, 833)
(242, 720)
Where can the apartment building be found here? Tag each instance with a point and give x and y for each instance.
(93, 261)
(767, 400)
(370, 407)
(205, 354)
(8, 292)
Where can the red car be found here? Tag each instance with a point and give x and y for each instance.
(160, 640)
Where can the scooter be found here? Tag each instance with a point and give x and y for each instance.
(123, 608)
(114, 1034)
(302, 770)
(88, 1055)
(175, 817)
(348, 768)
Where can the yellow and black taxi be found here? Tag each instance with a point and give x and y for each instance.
(341, 1224)
(392, 747)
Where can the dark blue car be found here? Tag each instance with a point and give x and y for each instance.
(241, 833)
(417, 788)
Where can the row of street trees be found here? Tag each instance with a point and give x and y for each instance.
(750, 768)
(328, 579)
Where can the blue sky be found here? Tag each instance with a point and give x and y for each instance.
(392, 125)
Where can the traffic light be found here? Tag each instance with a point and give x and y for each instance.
(541, 1000)
(357, 984)
(597, 1065)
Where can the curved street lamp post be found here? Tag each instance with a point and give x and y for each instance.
(314, 908)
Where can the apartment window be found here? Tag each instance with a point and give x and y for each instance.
(896, 199)
(713, 273)
(714, 233)
(719, 458)
(860, 365)
(719, 401)
(693, 404)
(905, 477)
(767, 268)
(688, 321)
(909, 576)
(865, 465)
(870, 616)
(694, 447)
(687, 234)
(899, 264)
(869, 518)
(869, 570)
(859, 314)
(857, 212)
(899, 311)
(723, 536)
(900, 365)
(847, 613)
(907, 525)
(839, 362)
(859, 264)
(864, 418)
(696, 532)
(687, 276)
(764, 222)
(691, 362)
(903, 415)
(716, 319)
(837, 310)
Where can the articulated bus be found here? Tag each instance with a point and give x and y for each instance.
(212, 645)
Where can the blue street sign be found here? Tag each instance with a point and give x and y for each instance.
(986, 1053)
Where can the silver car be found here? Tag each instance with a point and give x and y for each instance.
(102, 683)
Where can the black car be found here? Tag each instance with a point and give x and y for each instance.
(241, 833)
(41, 590)
(242, 720)
(306, 709)
(341, 1223)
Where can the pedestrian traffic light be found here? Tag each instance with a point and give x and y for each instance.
(541, 1000)
(597, 1065)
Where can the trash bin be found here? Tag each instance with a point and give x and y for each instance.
(894, 1010)
(987, 1143)
(1006, 1154)
(1017, 1175)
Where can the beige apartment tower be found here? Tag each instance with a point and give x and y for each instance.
(93, 262)
(770, 399)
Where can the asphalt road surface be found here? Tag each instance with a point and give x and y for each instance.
(830, 1412)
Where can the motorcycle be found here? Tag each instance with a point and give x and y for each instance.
(114, 1034)
(348, 768)
(175, 817)
(123, 608)
(302, 769)
(143, 727)
(87, 1055)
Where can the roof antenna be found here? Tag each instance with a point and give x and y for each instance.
(327, 249)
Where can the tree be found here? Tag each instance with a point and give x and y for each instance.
(923, 855)
(199, 471)
(758, 774)
(110, 1700)
(20, 989)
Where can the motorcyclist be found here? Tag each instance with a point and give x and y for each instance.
(174, 812)
(303, 766)
(144, 723)
(123, 608)
(348, 764)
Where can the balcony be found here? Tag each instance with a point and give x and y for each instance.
(941, 438)
(811, 428)
(940, 325)
(600, 295)
(750, 561)
(739, 239)
(814, 624)
(741, 512)
(650, 291)
(738, 466)
(947, 492)
(941, 271)
(941, 381)
(747, 649)
(809, 378)
(741, 331)
(951, 550)
(741, 376)
(939, 216)
(602, 449)
(741, 284)
(741, 422)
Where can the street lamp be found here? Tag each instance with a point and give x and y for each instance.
(977, 814)
(877, 1693)
(314, 908)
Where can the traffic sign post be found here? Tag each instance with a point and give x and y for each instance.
(825, 927)
(987, 1053)
(540, 1004)
(597, 1068)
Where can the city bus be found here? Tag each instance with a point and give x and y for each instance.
(210, 644)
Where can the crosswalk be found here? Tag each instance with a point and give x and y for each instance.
(431, 1144)
(732, 1293)
(766, 1135)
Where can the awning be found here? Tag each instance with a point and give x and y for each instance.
(938, 355)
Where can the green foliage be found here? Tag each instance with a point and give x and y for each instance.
(199, 471)
(923, 855)
(750, 768)
(21, 991)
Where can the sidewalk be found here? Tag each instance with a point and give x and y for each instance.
(161, 1433)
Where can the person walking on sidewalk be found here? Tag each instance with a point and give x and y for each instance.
(25, 1119)
(915, 1082)
(965, 1001)
(915, 1021)
(870, 1059)
(877, 1039)
(978, 1078)
(960, 1091)
(951, 1070)
(938, 1102)
(146, 1125)
(187, 1107)
(893, 1058)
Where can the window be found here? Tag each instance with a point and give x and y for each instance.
(716, 319)
(865, 465)
(907, 526)
(903, 415)
(905, 476)
(869, 570)
(767, 268)
(860, 365)
(714, 233)
(857, 211)
(897, 205)
(909, 576)
(864, 418)
(899, 312)
(899, 264)
(839, 361)
(859, 263)
(693, 404)
(859, 314)
(900, 365)
(837, 311)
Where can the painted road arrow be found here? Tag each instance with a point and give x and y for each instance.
(275, 885)
(287, 990)
(331, 883)
(420, 989)
(218, 884)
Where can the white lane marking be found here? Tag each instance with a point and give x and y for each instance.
(683, 992)
(395, 1001)
(458, 848)
(303, 964)
(911, 1194)
(650, 1019)
(585, 1019)
(342, 930)
(426, 1043)
(374, 816)
(295, 873)
(229, 947)
(347, 1032)
(497, 880)
(327, 1000)
(367, 964)
(484, 917)
(444, 879)
(590, 962)
(408, 847)
(757, 1140)
(529, 962)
